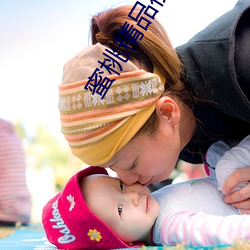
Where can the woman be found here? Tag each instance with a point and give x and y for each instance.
(137, 126)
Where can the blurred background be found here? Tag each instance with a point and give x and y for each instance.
(36, 39)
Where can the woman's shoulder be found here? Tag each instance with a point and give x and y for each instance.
(209, 65)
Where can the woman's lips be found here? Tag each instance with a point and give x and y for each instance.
(148, 183)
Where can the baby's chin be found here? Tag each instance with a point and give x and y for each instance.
(153, 209)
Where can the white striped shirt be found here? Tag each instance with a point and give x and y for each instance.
(194, 212)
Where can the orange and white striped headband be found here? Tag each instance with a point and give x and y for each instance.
(97, 128)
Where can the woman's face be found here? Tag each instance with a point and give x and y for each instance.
(148, 159)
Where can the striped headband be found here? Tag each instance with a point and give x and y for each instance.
(95, 127)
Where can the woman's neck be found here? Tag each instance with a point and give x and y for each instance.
(187, 125)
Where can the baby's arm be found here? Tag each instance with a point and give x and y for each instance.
(201, 229)
(237, 157)
(214, 153)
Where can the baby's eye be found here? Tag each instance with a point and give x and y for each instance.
(121, 186)
(120, 206)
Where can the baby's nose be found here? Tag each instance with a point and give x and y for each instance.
(133, 197)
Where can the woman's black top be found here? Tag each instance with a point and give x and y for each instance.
(217, 67)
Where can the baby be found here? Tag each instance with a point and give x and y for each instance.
(96, 211)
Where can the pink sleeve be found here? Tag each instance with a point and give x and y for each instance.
(15, 200)
(201, 229)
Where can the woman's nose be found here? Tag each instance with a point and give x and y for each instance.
(126, 177)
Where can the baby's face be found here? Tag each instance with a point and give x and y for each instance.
(130, 211)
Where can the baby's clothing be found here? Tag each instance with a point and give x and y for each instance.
(194, 212)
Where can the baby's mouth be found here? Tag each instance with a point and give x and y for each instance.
(147, 203)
